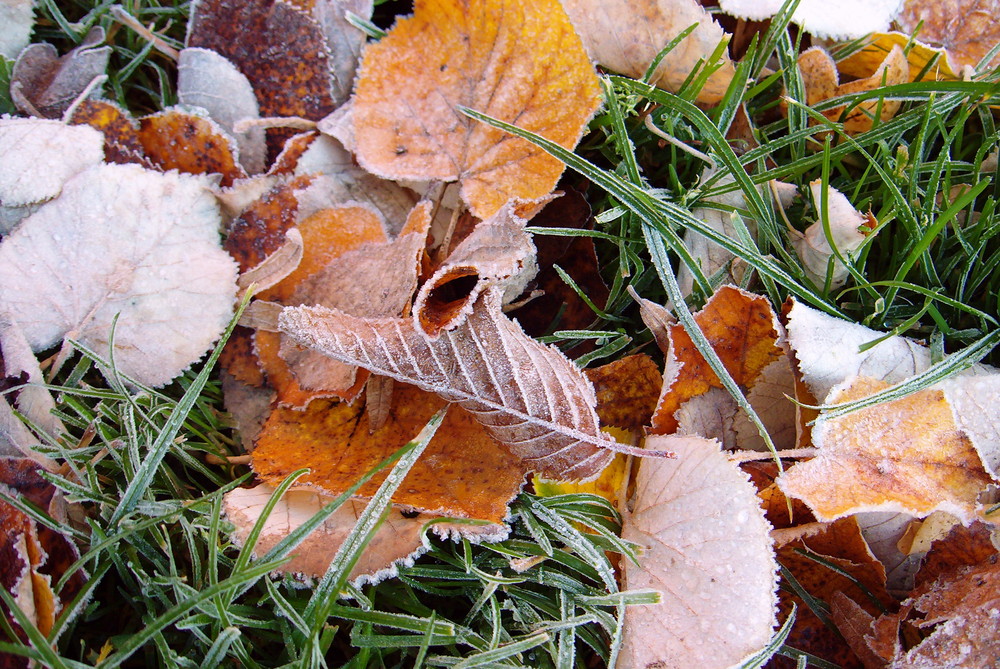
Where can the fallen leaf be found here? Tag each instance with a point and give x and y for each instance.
(344, 39)
(190, 142)
(33, 556)
(627, 391)
(926, 63)
(528, 396)
(883, 532)
(462, 474)
(857, 627)
(497, 251)
(208, 80)
(821, 82)
(828, 351)
(845, 20)
(472, 55)
(963, 607)
(398, 539)
(744, 331)
(629, 46)
(962, 546)
(127, 242)
(711, 561)
(17, 19)
(848, 230)
(120, 130)
(967, 29)
(906, 455)
(280, 49)
(44, 84)
(39, 156)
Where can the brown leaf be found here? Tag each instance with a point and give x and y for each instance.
(189, 143)
(462, 474)
(43, 83)
(472, 54)
(713, 567)
(961, 547)
(280, 49)
(629, 46)
(904, 455)
(967, 29)
(627, 391)
(527, 395)
(857, 627)
(963, 608)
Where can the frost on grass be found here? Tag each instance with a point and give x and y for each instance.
(125, 241)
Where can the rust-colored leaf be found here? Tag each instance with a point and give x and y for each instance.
(121, 132)
(627, 391)
(967, 29)
(904, 455)
(184, 141)
(463, 473)
(472, 54)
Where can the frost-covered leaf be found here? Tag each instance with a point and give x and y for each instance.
(38, 156)
(120, 130)
(343, 38)
(906, 455)
(17, 18)
(843, 20)
(44, 84)
(708, 551)
(629, 45)
(208, 80)
(848, 230)
(449, 53)
(123, 240)
(463, 473)
(190, 142)
(398, 538)
(529, 396)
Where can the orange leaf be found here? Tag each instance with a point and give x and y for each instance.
(743, 330)
(121, 133)
(904, 455)
(967, 29)
(177, 140)
(462, 474)
(474, 54)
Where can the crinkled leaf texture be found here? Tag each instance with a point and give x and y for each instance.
(128, 241)
(708, 551)
(529, 396)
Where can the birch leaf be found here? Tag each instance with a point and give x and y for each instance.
(529, 396)
(128, 241)
(712, 562)
(629, 46)
(451, 54)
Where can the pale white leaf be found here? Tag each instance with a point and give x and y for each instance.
(847, 19)
(16, 21)
(813, 247)
(345, 41)
(708, 550)
(38, 156)
(123, 240)
(208, 80)
(529, 396)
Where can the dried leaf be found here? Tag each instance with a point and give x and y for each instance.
(398, 539)
(712, 563)
(207, 80)
(967, 29)
(527, 395)
(43, 83)
(343, 38)
(124, 241)
(627, 391)
(883, 532)
(497, 250)
(120, 130)
(961, 546)
(473, 55)
(821, 82)
(629, 46)
(964, 606)
(857, 626)
(845, 20)
(39, 156)
(189, 142)
(905, 455)
(17, 19)
(744, 331)
(287, 61)
(848, 230)
(926, 63)
(462, 474)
